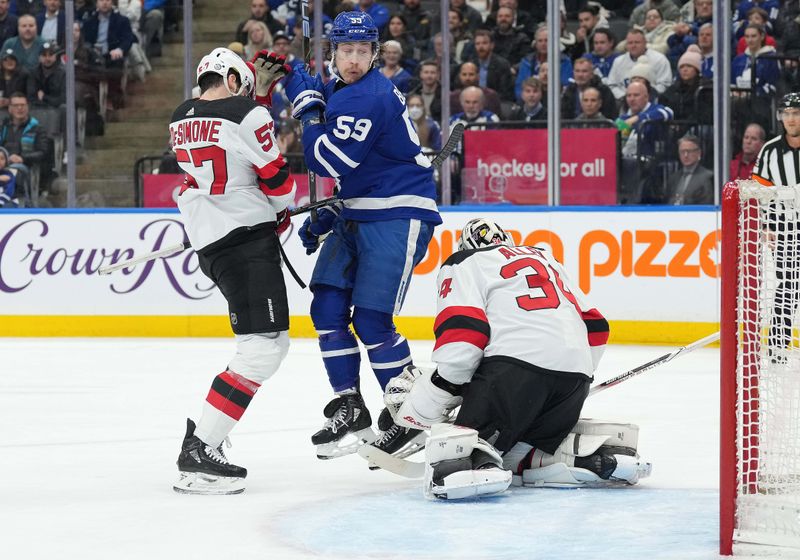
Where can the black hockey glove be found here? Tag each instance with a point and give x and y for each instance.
(269, 68)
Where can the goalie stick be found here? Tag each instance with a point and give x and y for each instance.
(653, 363)
(175, 249)
(399, 465)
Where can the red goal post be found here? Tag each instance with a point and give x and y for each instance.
(760, 371)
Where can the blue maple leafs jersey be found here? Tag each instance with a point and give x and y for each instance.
(370, 145)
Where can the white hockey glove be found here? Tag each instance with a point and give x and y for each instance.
(425, 404)
(270, 68)
(399, 387)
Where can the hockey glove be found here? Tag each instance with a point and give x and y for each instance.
(284, 220)
(305, 92)
(270, 68)
(310, 232)
(399, 387)
(426, 404)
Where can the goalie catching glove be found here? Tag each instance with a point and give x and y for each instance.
(418, 398)
(270, 68)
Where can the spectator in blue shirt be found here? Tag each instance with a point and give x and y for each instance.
(766, 70)
(379, 14)
(110, 34)
(8, 183)
(531, 63)
(392, 54)
(50, 22)
(603, 54)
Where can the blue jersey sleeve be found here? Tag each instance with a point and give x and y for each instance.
(339, 146)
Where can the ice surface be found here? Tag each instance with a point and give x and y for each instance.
(91, 429)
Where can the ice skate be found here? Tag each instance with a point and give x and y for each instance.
(205, 470)
(347, 427)
(396, 440)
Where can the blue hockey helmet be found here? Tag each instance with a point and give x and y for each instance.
(353, 27)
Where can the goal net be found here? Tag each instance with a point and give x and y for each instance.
(760, 371)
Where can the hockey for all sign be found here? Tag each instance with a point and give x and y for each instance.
(511, 166)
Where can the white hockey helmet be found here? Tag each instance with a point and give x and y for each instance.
(480, 232)
(222, 61)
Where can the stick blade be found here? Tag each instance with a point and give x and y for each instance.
(401, 467)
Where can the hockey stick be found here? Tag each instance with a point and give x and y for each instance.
(410, 469)
(654, 363)
(452, 143)
(312, 177)
(175, 249)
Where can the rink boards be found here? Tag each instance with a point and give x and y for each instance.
(652, 272)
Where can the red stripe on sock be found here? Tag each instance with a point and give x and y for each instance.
(224, 405)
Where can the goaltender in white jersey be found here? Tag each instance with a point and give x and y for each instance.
(516, 347)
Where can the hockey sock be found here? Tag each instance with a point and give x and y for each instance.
(388, 351)
(330, 312)
(227, 400)
(341, 357)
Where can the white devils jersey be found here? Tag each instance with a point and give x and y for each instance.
(515, 304)
(235, 174)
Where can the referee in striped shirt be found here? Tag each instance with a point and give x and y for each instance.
(778, 163)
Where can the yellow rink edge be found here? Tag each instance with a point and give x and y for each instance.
(419, 328)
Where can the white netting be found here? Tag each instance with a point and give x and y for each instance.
(768, 367)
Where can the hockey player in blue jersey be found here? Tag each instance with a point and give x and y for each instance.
(356, 129)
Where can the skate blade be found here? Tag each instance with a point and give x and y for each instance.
(347, 445)
(206, 484)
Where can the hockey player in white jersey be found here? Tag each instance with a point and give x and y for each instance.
(516, 347)
(234, 205)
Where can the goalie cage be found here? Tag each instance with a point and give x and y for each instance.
(760, 376)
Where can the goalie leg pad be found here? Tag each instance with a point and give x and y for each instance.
(623, 435)
(449, 441)
(460, 465)
(595, 454)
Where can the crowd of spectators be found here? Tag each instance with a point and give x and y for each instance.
(641, 66)
(113, 39)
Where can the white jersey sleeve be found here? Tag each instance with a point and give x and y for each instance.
(461, 326)
(258, 145)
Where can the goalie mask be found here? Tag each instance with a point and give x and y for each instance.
(480, 232)
(223, 61)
